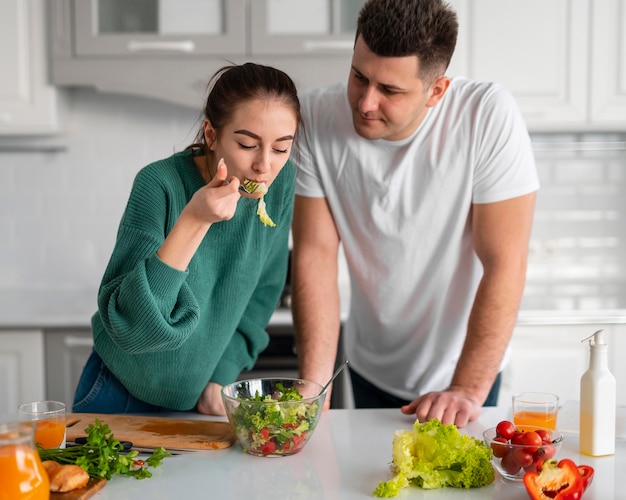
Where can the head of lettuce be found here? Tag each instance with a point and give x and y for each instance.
(434, 455)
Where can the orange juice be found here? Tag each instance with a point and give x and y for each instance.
(50, 433)
(534, 419)
(22, 475)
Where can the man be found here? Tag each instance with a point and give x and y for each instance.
(429, 184)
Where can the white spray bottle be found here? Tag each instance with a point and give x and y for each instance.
(597, 401)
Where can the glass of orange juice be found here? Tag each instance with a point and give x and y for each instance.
(48, 418)
(535, 409)
(21, 473)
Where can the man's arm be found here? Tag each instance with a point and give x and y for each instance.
(500, 234)
(315, 291)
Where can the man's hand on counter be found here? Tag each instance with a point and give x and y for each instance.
(449, 407)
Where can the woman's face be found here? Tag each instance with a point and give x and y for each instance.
(256, 143)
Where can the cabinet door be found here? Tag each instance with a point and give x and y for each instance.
(608, 64)
(66, 354)
(123, 28)
(21, 368)
(303, 26)
(28, 105)
(536, 49)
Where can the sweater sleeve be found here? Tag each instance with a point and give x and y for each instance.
(144, 304)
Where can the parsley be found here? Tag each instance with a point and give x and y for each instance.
(102, 455)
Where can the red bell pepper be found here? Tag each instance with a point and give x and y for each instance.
(586, 472)
(557, 480)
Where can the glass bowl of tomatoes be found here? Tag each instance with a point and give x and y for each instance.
(516, 451)
(273, 416)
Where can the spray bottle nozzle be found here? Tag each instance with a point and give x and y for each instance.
(595, 339)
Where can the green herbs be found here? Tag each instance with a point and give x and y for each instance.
(101, 456)
(434, 455)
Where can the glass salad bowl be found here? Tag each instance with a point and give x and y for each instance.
(273, 416)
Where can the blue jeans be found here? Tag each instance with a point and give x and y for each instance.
(99, 391)
(367, 395)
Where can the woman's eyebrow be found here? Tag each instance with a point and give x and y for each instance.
(254, 136)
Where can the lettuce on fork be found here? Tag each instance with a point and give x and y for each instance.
(433, 455)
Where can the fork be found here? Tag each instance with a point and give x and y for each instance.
(248, 186)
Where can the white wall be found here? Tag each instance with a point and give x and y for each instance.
(59, 210)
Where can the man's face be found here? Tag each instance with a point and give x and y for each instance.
(387, 99)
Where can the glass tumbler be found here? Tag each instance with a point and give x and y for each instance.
(49, 420)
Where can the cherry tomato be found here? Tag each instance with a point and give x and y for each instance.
(531, 441)
(505, 429)
(509, 465)
(544, 434)
(517, 438)
(499, 446)
(548, 451)
(269, 447)
(522, 457)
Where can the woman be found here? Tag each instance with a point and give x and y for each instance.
(195, 273)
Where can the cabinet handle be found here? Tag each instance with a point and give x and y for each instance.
(181, 46)
(73, 341)
(338, 45)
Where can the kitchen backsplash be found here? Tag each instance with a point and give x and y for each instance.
(61, 199)
(577, 255)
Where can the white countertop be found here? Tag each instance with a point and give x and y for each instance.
(348, 455)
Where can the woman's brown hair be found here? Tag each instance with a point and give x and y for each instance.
(234, 85)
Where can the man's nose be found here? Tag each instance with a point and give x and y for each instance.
(369, 100)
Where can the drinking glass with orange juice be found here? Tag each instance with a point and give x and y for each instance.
(48, 418)
(535, 409)
(21, 473)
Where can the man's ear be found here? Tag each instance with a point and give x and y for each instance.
(437, 90)
(209, 134)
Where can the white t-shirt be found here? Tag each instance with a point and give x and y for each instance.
(402, 210)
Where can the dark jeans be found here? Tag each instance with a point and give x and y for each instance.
(367, 395)
(99, 391)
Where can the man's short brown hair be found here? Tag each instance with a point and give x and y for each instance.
(427, 29)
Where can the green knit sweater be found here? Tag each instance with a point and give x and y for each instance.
(166, 333)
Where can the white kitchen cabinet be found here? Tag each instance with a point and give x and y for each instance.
(21, 368)
(124, 29)
(28, 103)
(608, 64)
(303, 26)
(552, 358)
(563, 60)
(93, 44)
(67, 351)
(538, 50)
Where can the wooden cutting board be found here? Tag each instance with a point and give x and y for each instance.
(150, 432)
